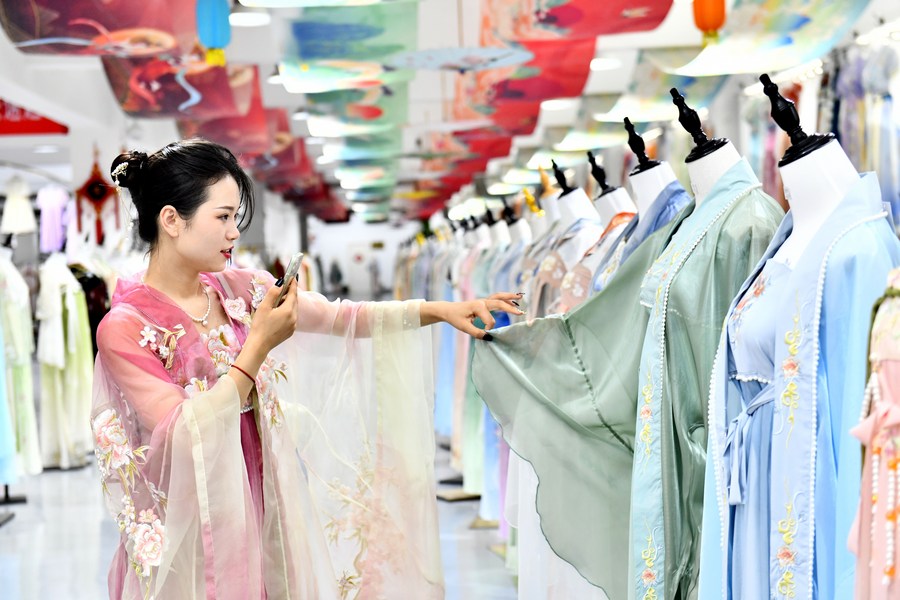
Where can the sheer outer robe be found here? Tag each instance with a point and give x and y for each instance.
(347, 452)
(563, 390)
(820, 369)
(687, 291)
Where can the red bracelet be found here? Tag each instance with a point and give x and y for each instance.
(245, 373)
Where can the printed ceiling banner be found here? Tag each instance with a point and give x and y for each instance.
(462, 60)
(367, 147)
(294, 170)
(242, 134)
(282, 151)
(15, 120)
(571, 19)
(105, 27)
(313, 3)
(648, 98)
(762, 36)
(357, 112)
(367, 176)
(347, 48)
(160, 87)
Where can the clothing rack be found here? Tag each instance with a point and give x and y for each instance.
(7, 499)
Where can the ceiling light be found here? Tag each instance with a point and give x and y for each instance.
(242, 16)
(503, 189)
(559, 104)
(274, 79)
(605, 64)
(46, 149)
(300, 115)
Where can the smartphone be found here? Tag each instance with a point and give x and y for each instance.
(292, 269)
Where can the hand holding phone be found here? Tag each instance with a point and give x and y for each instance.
(292, 269)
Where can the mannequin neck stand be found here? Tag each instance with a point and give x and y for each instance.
(647, 185)
(612, 203)
(520, 231)
(538, 223)
(6, 253)
(706, 171)
(550, 204)
(483, 235)
(576, 205)
(500, 237)
(814, 185)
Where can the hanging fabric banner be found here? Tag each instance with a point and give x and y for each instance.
(15, 120)
(133, 29)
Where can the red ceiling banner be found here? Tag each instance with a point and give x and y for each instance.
(102, 27)
(15, 120)
(164, 88)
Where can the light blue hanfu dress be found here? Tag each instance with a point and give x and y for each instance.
(820, 312)
(751, 373)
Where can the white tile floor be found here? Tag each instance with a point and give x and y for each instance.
(59, 544)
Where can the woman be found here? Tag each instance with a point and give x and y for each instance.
(249, 450)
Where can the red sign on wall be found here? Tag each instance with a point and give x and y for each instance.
(15, 120)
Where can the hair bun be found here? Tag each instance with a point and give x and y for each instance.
(127, 168)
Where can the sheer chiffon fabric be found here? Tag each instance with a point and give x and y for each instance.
(344, 504)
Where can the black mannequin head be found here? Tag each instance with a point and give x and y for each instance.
(784, 113)
(599, 175)
(561, 179)
(690, 120)
(636, 143)
(509, 215)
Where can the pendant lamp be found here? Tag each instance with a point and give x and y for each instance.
(709, 16)
(213, 29)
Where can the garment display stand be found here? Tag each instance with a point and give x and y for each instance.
(7, 499)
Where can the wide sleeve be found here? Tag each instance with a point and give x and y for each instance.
(357, 404)
(172, 470)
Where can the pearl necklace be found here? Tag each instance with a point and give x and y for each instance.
(204, 320)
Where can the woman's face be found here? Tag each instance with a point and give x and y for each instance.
(207, 240)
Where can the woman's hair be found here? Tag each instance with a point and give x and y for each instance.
(179, 175)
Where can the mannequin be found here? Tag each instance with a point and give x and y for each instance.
(815, 171)
(650, 177)
(519, 231)
(710, 158)
(574, 204)
(536, 217)
(483, 232)
(548, 197)
(500, 236)
(612, 200)
(794, 487)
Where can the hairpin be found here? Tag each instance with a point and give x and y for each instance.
(118, 171)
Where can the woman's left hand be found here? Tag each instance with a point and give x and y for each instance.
(462, 315)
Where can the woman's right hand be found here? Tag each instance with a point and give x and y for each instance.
(273, 325)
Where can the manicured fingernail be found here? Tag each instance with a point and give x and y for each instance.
(297, 277)
(514, 302)
(521, 312)
(520, 293)
(488, 337)
(279, 281)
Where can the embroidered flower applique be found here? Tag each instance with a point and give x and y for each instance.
(270, 373)
(237, 310)
(257, 291)
(196, 386)
(164, 347)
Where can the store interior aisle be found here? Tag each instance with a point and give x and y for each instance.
(59, 544)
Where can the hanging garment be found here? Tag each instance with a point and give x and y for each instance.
(565, 253)
(18, 337)
(9, 471)
(818, 383)
(670, 201)
(66, 358)
(340, 429)
(18, 214)
(577, 281)
(874, 535)
(562, 389)
(52, 200)
(687, 291)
